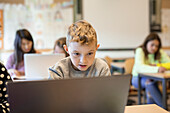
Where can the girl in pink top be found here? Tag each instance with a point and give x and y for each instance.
(23, 44)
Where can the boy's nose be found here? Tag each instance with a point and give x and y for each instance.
(83, 59)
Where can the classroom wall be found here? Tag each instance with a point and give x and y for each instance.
(119, 23)
(123, 24)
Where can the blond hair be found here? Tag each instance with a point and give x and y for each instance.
(81, 32)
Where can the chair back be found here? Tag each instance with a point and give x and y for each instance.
(129, 65)
(108, 60)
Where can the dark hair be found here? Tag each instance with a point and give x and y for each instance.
(60, 43)
(151, 37)
(18, 53)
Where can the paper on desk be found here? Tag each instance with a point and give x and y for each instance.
(167, 72)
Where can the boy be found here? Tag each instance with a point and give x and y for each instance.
(81, 45)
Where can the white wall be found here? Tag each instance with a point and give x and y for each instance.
(115, 54)
(119, 23)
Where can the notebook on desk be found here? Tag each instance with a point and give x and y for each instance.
(37, 65)
(85, 95)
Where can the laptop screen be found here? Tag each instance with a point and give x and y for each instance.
(85, 95)
(37, 65)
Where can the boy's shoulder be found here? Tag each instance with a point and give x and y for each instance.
(62, 63)
(64, 60)
(100, 62)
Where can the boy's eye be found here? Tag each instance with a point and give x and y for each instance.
(90, 53)
(76, 54)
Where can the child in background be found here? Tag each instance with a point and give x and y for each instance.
(81, 46)
(59, 46)
(23, 44)
(147, 54)
(4, 78)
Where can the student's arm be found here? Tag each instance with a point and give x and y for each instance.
(164, 57)
(10, 62)
(4, 78)
(55, 73)
(140, 65)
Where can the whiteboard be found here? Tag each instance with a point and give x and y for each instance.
(118, 23)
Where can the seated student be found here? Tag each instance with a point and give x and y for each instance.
(4, 78)
(81, 46)
(59, 46)
(23, 44)
(146, 55)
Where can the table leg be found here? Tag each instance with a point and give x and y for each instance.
(164, 103)
(112, 70)
(139, 89)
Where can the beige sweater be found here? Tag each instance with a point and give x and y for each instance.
(63, 70)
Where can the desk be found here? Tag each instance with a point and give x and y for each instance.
(150, 108)
(163, 77)
(117, 66)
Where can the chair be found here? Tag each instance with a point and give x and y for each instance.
(108, 60)
(116, 65)
(128, 70)
(129, 65)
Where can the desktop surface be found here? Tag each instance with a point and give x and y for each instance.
(148, 108)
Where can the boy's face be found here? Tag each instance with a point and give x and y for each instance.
(82, 56)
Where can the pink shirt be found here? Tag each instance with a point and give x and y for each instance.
(10, 64)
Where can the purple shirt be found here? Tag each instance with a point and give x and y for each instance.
(10, 64)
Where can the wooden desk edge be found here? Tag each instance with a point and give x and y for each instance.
(129, 109)
(159, 75)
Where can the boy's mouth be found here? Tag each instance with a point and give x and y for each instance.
(82, 66)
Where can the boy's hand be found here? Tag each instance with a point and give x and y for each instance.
(161, 70)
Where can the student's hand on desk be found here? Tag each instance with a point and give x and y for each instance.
(161, 70)
(14, 72)
(152, 64)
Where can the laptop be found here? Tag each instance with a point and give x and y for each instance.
(82, 95)
(37, 65)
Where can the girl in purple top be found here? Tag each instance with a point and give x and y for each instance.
(23, 44)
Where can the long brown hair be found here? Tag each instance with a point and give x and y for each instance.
(18, 53)
(151, 37)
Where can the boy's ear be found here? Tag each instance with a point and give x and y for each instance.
(98, 45)
(66, 48)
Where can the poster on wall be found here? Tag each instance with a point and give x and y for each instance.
(165, 35)
(1, 29)
(47, 21)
